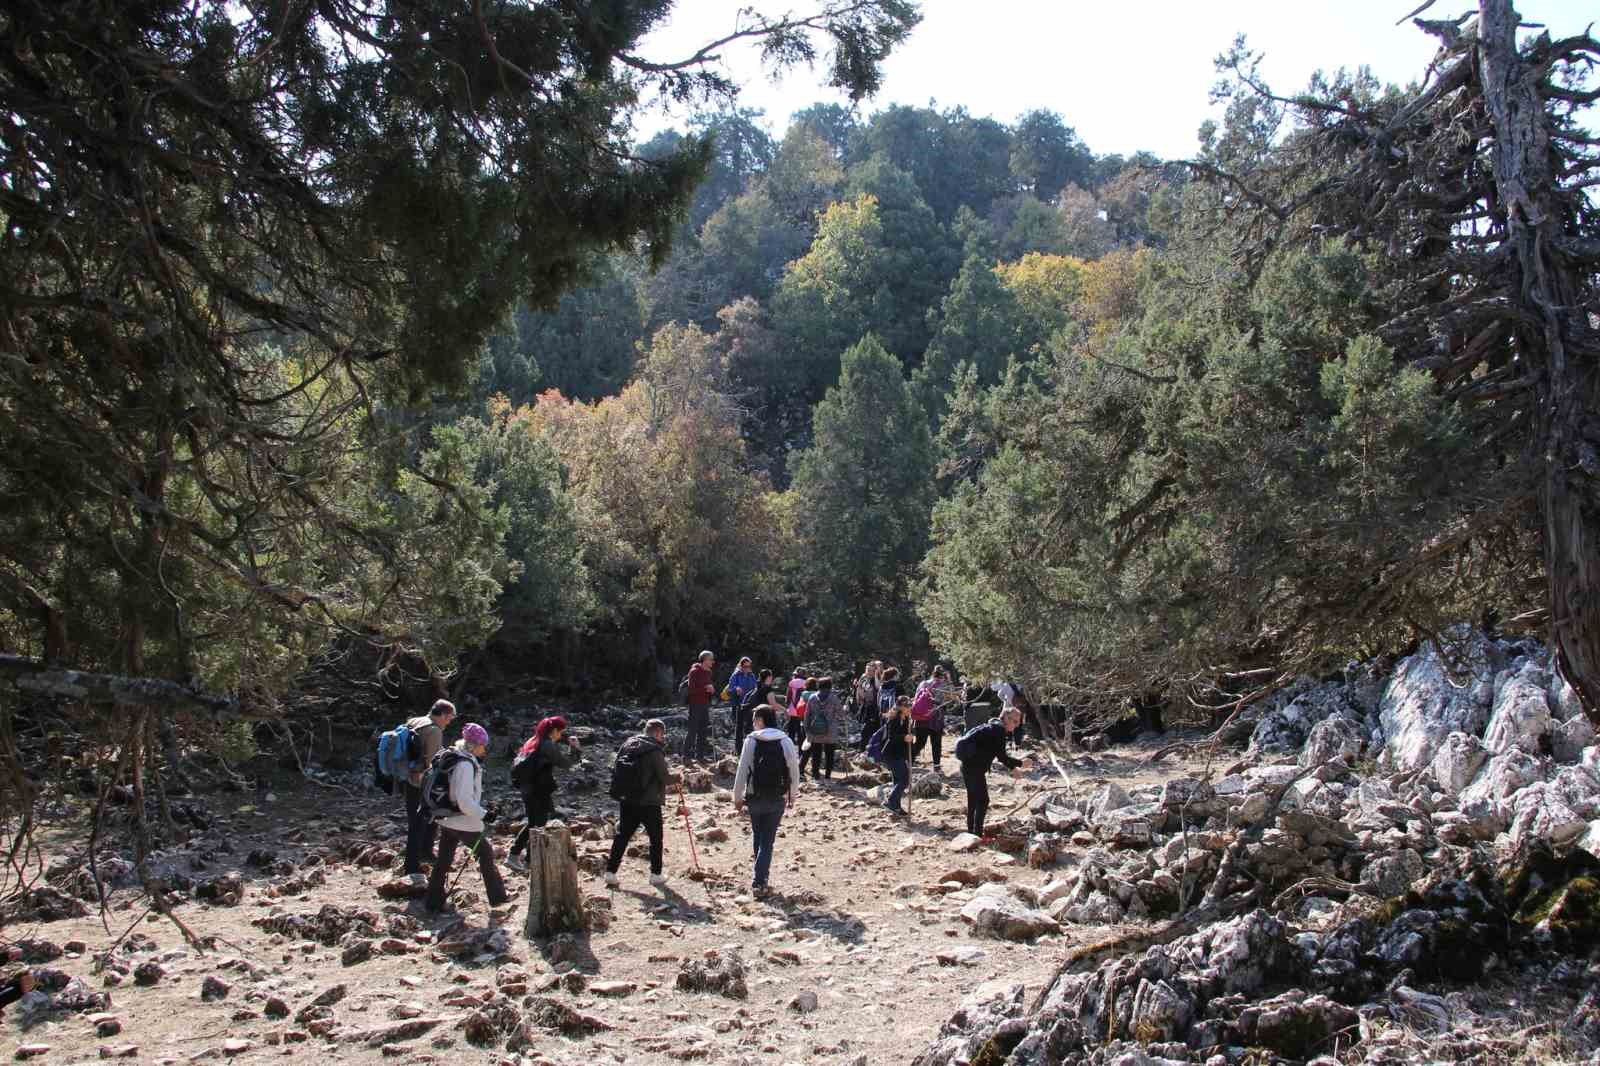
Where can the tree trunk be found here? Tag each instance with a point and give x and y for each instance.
(554, 905)
(1569, 385)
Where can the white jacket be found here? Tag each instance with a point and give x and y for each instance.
(747, 759)
(466, 791)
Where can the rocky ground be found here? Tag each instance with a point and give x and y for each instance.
(1390, 867)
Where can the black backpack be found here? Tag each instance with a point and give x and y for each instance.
(436, 800)
(769, 771)
(523, 769)
(627, 775)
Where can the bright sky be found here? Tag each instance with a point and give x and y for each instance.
(1127, 76)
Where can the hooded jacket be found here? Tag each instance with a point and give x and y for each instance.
(653, 770)
(747, 759)
(466, 792)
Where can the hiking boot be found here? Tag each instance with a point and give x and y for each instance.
(659, 880)
(612, 880)
(760, 891)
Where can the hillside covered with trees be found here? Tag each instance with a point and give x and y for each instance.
(341, 342)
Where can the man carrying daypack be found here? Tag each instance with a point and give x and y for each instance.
(697, 742)
(767, 781)
(428, 730)
(976, 751)
(459, 799)
(824, 728)
(639, 783)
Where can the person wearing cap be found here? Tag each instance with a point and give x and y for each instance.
(465, 828)
(643, 800)
(420, 832)
(697, 742)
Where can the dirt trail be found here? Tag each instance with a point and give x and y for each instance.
(860, 920)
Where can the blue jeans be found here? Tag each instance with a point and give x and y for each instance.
(901, 769)
(763, 834)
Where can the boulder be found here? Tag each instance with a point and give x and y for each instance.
(964, 842)
(1392, 875)
(1520, 718)
(1332, 738)
(1426, 699)
(1539, 813)
(926, 786)
(1569, 739)
(1502, 777)
(1160, 1012)
(1289, 721)
(1110, 798)
(1457, 761)
(996, 911)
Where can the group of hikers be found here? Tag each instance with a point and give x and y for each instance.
(783, 732)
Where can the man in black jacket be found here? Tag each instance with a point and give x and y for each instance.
(646, 794)
(977, 751)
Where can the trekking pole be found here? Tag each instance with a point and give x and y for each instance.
(683, 805)
(472, 854)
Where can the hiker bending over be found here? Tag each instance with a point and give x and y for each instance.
(824, 728)
(461, 767)
(701, 690)
(639, 783)
(534, 775)
(976, 751)
(420, 829)
(768, 779)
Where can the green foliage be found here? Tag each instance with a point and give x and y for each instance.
(859, 504)
(1046, 156)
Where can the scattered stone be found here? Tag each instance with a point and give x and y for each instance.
(355, 952)
(996, 911)
(722, 972)
(235, 1046)
(214, 987)
(276, 1007)
(119, 1051)
(148, 973)
(804, 1002)
(32, 1051)
(401, 888)
(612, 989)
(964, 842)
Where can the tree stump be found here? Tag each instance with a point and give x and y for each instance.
(554, 905)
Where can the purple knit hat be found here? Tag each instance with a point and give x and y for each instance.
(475, 734)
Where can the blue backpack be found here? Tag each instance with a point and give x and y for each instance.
(397, 751)
(875, 743)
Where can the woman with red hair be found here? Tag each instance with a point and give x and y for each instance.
(534, 775)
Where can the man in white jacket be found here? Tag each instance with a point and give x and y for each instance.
(768, 779)
(465, 828)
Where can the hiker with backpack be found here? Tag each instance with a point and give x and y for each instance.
(977, 751)
(766, 782)
(798, 702)
(453, 796)
(759, 696)
(740, 684)
(927, 712)
(533, 774)
(896, 752)
(824, 728)
(698, 695)
(426, 736)
(639, 784)
(868, 716)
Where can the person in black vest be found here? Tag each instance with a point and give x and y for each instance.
(643, 799)
(534, 775)
(767, 781)
(977, 751)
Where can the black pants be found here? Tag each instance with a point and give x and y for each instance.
(924, 734)
(449, 840)
(816, 754)
(633, 816)
(420, 832)
(796, 730)
(541, 807)
(741, 727)
(977, 783)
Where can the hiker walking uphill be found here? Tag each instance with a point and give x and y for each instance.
(453, 793)
(701, 689)
(533, 772)
(760, 696)
(639, 783)
(977, 750)
(428, 732)
(868, 714)
(766, 782)
(824, 728)
(897, 751)
(927, 712)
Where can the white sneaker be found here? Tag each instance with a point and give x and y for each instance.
(659, 880)
(612, 881)
(516, 862)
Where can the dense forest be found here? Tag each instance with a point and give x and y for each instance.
(367, 343)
